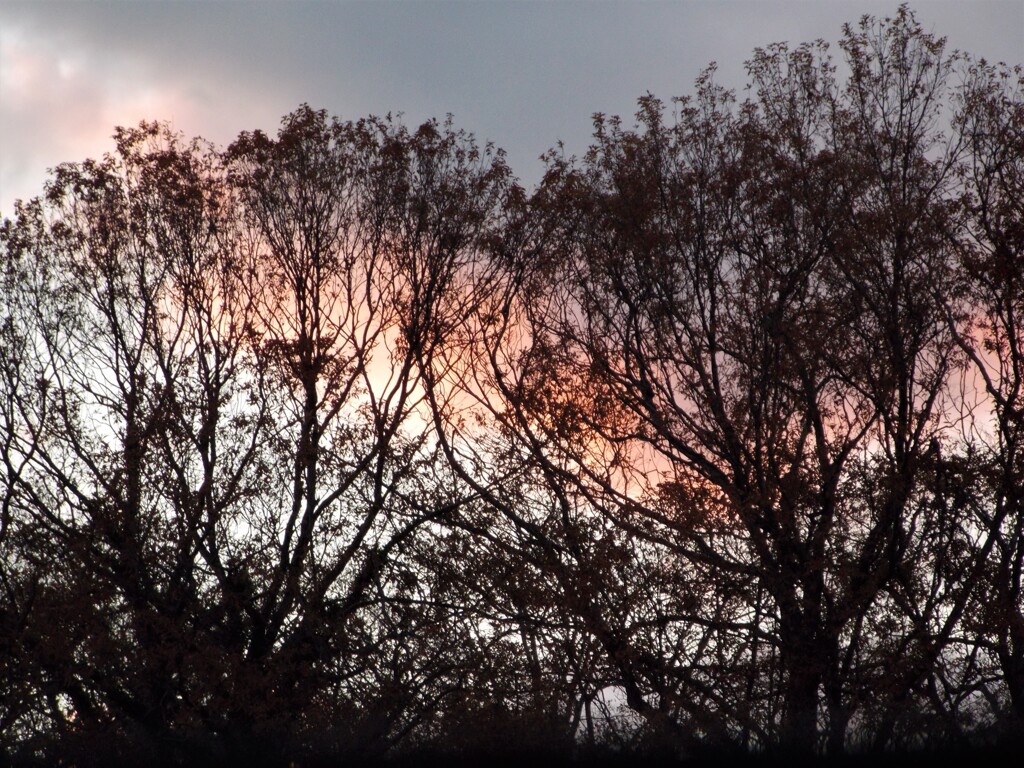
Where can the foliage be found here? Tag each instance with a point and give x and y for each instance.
(340, 443)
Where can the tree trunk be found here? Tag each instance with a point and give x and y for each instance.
(802, 661)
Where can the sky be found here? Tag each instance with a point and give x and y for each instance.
(524, 75)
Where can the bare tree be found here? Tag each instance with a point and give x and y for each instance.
(992, 242)
(727, 336)
(340, 442)
(212, 450)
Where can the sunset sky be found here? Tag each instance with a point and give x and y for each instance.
(521, 74)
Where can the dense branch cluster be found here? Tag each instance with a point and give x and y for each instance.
(341, 442)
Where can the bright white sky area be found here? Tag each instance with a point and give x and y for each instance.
(524, 75)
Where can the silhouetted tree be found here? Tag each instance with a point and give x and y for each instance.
(729, 337)
(211, 445)
(340, 443)
(991, 242)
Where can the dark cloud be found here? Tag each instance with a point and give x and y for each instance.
(522, 74)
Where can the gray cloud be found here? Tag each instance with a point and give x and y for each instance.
(522, 74)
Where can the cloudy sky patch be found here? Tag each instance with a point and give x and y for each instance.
(524, 75)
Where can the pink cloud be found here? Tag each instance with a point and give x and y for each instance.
(63, 99)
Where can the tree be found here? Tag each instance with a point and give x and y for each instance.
(210, 427)
(338, 443)
(991, 243)
(659, 354)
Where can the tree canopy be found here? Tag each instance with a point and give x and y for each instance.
(342, 443)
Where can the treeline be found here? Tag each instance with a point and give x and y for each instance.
(341, 443)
